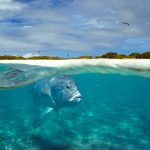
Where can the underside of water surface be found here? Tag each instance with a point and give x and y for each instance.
(113, 115)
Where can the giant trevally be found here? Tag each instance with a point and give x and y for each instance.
(56, 92)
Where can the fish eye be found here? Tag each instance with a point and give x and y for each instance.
(68, 86)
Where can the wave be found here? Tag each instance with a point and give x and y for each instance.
(14, 73)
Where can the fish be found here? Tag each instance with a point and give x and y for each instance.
(53, 93)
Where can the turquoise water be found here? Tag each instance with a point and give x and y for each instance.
(114, 115)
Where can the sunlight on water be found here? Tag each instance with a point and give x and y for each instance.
(113, 115)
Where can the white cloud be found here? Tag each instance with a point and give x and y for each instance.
(10, 5)
(29, 55)
(83, 25)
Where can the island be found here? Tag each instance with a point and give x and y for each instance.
(110, 55)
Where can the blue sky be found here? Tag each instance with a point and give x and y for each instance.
(74, 27)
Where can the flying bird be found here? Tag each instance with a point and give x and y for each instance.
(126, 23)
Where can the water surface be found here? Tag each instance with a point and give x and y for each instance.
(113, 115)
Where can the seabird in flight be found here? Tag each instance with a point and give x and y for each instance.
(126, 23)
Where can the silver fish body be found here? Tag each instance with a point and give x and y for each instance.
(56, 92)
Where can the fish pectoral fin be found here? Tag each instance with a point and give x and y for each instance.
(47, 110)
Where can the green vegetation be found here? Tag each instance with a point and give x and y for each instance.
(6, 57)
(85, 57)
(145, 55)
(45, 57)
(110, 55)
(113, 55)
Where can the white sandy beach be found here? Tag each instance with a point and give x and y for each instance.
(111, 63)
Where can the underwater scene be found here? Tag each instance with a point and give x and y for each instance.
(95, 111)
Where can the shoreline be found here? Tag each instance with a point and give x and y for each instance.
(113, 63)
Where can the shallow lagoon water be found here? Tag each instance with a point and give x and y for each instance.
(113, 115)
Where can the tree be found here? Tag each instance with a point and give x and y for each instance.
(109, 55)
(134, 55)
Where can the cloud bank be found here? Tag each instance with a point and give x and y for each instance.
(87, 26)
